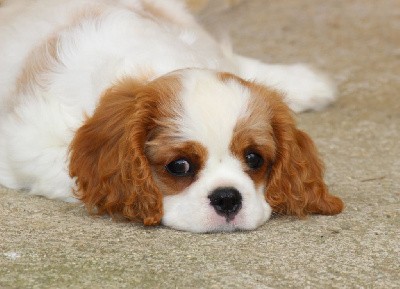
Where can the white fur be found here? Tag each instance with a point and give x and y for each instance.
(37, 124)
(303, 88)
(218, 106)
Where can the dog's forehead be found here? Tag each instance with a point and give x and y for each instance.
(211, 108)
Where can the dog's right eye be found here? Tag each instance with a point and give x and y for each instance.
(254, 160)
(179, 168)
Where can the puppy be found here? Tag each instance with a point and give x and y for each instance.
(132, 108)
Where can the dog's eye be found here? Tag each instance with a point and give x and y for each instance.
(254, 160)
(179, 168)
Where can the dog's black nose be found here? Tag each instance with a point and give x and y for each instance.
(226, 201)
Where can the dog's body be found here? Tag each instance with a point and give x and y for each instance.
(58, 58)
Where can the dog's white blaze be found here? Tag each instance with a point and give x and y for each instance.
(210, 111)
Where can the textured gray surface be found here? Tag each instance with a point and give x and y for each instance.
(49, 244)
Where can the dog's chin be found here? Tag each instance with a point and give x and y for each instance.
(210, 226)
(210, 222)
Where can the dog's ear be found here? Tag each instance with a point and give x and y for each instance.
(296, 184)
(107, 159)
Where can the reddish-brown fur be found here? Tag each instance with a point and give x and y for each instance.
(254, 134)
(296, 184)
(163, 150)
(108, 162)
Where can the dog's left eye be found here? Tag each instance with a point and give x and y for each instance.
(179, 168)
(254, 160)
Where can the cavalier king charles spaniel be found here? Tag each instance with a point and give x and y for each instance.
(130, 107)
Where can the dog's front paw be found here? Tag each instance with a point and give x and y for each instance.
(306, 89)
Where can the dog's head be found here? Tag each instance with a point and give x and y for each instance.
(199, 151)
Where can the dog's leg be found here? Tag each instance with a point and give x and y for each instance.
(304, 88)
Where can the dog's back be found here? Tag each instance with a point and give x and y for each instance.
(58, 57)
(23, 25)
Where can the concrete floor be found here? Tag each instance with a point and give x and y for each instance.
(50, 244)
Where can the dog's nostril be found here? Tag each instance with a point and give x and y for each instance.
(226, 201)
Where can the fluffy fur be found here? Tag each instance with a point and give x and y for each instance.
(99, 97)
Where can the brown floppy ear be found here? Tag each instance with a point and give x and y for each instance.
(296, 184)
(107, 159)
